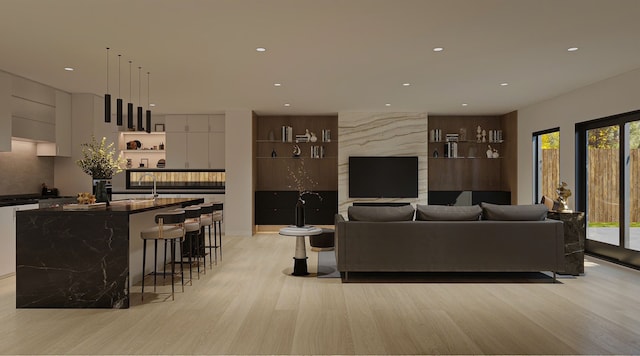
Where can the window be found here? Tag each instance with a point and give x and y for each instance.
(546, 160)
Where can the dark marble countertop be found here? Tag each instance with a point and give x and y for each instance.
(23, 199)
(127, 206)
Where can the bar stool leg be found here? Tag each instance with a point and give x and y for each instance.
(215, 240)
(181, 264)
(173, 267)
(144, 259)
(220, 236)
(164, 264)
(210, 247)
(155, 263)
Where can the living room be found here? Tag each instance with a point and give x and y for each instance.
(249, 303)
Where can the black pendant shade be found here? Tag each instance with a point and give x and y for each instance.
(119, 112)
(130, 115)
(107, 108)
(140, 128)
(148, 121)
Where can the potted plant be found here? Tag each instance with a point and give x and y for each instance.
(100, 162)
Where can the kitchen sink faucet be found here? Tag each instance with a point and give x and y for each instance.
(154, 192)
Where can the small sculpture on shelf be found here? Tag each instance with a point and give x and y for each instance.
(479, 135)
(313, 137)
(484, 135)
(296, 151)
(563, 197)
(489, 152)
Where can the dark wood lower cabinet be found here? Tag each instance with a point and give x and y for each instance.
(278, 207)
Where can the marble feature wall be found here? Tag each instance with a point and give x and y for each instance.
(381, 134)
(22, 172)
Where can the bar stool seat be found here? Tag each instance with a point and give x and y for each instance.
(169, 228)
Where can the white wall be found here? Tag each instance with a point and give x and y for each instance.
(608, 97)
(240, 180)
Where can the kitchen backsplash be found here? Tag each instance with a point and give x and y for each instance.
(22, 171)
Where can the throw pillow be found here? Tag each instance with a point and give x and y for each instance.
(380, 213)
(533, 212)
(448, 213)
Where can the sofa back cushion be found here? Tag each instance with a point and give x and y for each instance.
(380, 213)
(532, 212)
(447, 213)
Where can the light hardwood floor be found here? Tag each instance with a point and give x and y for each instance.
(250, 305)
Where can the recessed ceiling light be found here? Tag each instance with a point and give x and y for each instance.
(277, 84)
(406, 84)
(387, 104)
(465, 104)
(68, 69)
(572, 49)
(287, 104)
(261, 49)
(504, 84)
(152, 104)
(438, 49)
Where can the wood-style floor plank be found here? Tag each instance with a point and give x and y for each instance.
(250, 304)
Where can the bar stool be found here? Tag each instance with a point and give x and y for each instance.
(217, 227)
(192, 227)
(206, 220)
(170, 227)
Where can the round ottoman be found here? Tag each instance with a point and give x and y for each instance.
(322, 242)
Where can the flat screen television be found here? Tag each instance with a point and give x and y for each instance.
(383, 177)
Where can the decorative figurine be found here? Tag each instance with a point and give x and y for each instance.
(484, 135)
(313, 137)
(296, 151)
(479, 135)
(435, 153)
(563, 197)
(273, 153)
(495, 153)
(489, 152)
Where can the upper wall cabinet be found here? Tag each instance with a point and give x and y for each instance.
(195, 141)
(33, 110)
(5, 112)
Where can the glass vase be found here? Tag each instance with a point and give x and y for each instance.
(100, 190)
(300, 213)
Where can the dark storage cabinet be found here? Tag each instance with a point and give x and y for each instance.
(278, 207)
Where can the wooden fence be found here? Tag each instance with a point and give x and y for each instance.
(603, 183)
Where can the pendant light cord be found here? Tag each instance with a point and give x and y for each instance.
(107, 70)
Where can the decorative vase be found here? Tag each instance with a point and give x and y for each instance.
(100, 190)
(300, 213)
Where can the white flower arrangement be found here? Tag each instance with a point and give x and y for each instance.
(99, 160)
(301, 181)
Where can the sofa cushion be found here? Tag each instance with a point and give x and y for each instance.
(380, 213)
(447, 213)
(532, 212)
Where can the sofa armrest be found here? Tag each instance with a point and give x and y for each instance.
(340, 230)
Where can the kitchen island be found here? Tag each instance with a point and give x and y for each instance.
(83, 258)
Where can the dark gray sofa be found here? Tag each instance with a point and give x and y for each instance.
(442, 245)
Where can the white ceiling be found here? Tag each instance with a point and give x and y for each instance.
(330, 55)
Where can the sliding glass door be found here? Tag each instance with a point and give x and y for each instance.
(608, 185)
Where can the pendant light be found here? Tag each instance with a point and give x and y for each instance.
(119, 100)
(107, 96)
(130, 104)
(140, 128)
(148, 105)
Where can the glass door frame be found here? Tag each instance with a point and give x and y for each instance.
(620, 253)
(537, 152)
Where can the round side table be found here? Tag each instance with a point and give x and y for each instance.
(300, 257)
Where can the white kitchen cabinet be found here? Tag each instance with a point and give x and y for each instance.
(63, 124)
(216, 150)
(5, 112)
(8, 237)
(195, 141)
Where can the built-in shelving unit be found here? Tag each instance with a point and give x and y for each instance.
(470, 168)
(151, 150)
(281, 172)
